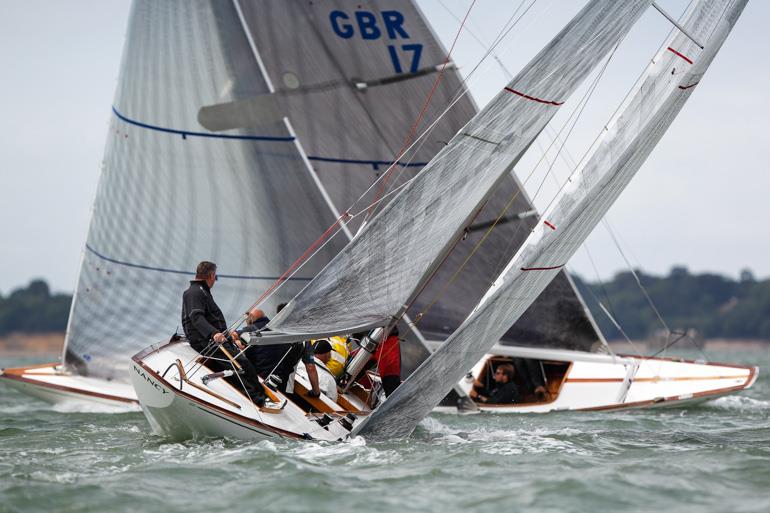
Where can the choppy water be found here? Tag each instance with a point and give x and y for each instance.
(709, 458)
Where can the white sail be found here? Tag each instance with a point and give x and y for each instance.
(626, 143)
(375, 276)
(173, 193)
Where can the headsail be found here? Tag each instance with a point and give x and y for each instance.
(372, 278)
(626, 143)
(351, 101)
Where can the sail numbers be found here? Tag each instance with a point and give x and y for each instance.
(390, 25)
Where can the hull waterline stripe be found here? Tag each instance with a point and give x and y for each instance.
(188, 273)
(67, 391)
(679, 54)
(656, 379)
(186, 133)
(528, 97)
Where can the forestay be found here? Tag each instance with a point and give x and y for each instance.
(624, 146)
(379, 272)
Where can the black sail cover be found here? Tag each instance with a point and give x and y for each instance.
(351, 78)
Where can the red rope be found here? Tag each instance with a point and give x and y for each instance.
(302, 258)
(416, 124)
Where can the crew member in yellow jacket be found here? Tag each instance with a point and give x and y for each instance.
(339, 355)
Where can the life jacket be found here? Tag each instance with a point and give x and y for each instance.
(340, 353)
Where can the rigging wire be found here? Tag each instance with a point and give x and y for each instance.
(413, 130)
(347, 216)
(576, 113)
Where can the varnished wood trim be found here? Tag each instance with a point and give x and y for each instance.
(655, 379)
(71, 390)
(208, 406)
(19, 371)
(677, 398)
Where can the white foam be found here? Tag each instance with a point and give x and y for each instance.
(92, 407)
(740, 403)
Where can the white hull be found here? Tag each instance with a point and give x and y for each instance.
(177, 403)
(594, 382)
(54, 385)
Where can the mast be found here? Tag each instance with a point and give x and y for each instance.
(625, 143)
(374, 278)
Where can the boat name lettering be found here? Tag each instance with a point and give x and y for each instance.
(369, 28)
(148, 379)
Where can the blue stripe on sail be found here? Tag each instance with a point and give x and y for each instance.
(176, 271)
(374, 163)
(185, 134)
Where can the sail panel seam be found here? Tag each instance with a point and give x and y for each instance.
(534, 99)
(186, 133)
(679, 54)
(177, 271)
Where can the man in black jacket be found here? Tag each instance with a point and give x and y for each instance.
(504, 391)
(204, 323)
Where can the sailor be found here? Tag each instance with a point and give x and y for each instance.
(203, 323)
(339, 355)
(280, 360)
(531, 374)
(504, 391)
(323, 355)
(388, 361)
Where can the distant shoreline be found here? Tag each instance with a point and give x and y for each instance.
(23, 344)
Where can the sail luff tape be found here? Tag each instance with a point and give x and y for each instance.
(528, 97)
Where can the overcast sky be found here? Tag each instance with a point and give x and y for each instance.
(701, 200)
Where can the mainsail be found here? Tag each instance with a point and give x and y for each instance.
(625, 144)
(351, 100)
(173, 193)
(374, 277)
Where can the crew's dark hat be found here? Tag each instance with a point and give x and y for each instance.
(322, 346)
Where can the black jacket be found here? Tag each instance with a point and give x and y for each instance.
(504, 394)
(201, 317)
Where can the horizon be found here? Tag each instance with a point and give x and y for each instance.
(573, 274)
(57, 109)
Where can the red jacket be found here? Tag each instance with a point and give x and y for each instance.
(387, 358)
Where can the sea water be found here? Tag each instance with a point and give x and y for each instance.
(713, 457)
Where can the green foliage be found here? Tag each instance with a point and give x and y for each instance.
(34, 310)
(713, 305)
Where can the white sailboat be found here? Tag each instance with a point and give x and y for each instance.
(363, 289)
(363, 91)
(152, 219)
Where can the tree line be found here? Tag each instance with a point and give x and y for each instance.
(33, 309)
(714, 306)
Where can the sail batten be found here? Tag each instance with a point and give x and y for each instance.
(377, 275)
(624, 146)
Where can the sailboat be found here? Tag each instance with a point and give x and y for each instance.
(371, 283)
(347, 89)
